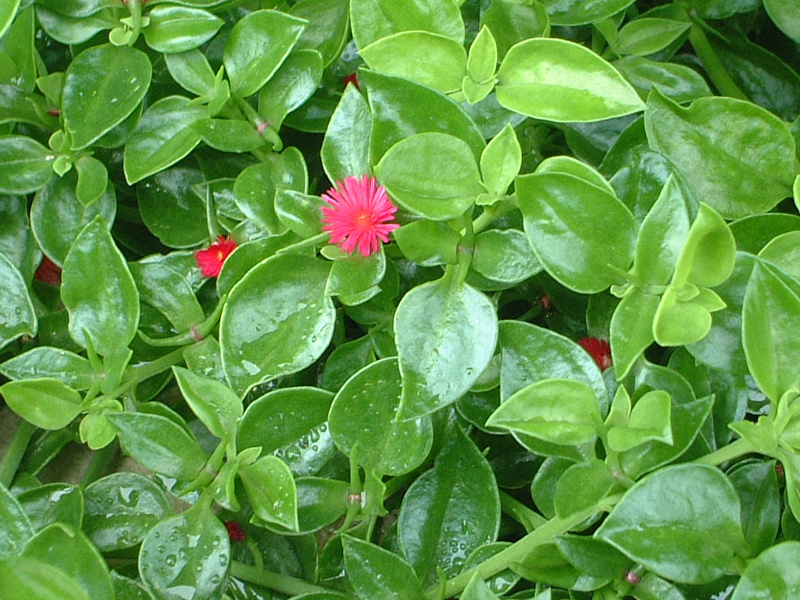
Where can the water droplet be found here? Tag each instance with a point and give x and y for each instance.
(171, 560)
(215, 579)
(162, 549)
(223, 560)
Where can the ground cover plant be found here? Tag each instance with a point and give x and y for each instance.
(400, 299)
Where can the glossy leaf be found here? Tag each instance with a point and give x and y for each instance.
(412, 172)
(293, 83)
(757, 486)
(24, 577)
(682, 523)
(363, 414)
(786, 15)
(558, 80)
(188, 554)
(214, 403)
(376, 19)
(171, 210)
(582, 486)
(121, 508)
(17, 529)
(505, 256)
(70, 551)
(559, 411)
(191, 71)
(159, 444)
(257, 46)
(47, 403)
(648, 35)
(678, 82)
(95, 99)
(345, 149)
(632, 329)
(45, 361)
(501, 161)
(17, 316)
(770, 309)
(511, 23)
(378, 574)
(163, 136)
(576, 229)
(705, 141)
(771, 575)
(51, 503)
(327, 29)
(277, 320)
(575, 12)
(442, 507)
(433, 60)
(445, 335)
(7, 14)
(57, 216)
(175, 29)
(27, 165)
(271, 490)
(402, 108)
(168, 290)
(99, 292)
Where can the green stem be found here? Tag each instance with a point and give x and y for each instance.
(514, 553)
(716, 70)
(466, 250)
(275, 581)
(147, 370)
(15, 451)
(523, 515)
(727, 453)
(99, 463)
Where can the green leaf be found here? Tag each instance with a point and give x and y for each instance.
(436, 61)
(648, 35)
(159, 444)
(505, 256)
(412, 171)
(355, 273)
(45, 361)
(709, 254)
(17, 529)
(47, 403)
(276, 321)
(478, 590)
(53, 502)
(299, 212)
(757, 486)
(187, 555)
(171, 210)
(576, 230)
(327, 30)
(71, 552)
(191, 71)
(402, 108)
(363, 413)
(17, 316)
(678, 82)
(428, 243)
(783, 251)
(121, 509)
(271, 490)
(511, 23)
(445, 335)
(559, 411)
(378, 574)
(92, 179)
(372, 20)
(294, 82)
(99, 292)
(582, 486)
(257, 46)
(577, 12)
(95, 98)
(786, 15)
(163, 136)
(558, 80)
(7, 14)
(445, 516)
(24, 577)
(482, 59)
(771, 309)
(631, 329)
(169, 291)
(345, 149)
(57, 216)
(682, 523)
(228, 135)
(320, 502)
(771, 576)
(175, 29)
(27, 165)
(649, 421)
(214, 403)
(501, 161)
(750, 146)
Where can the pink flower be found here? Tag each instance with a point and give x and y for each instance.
(210, 260)
(358, 215)
(599, 349)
